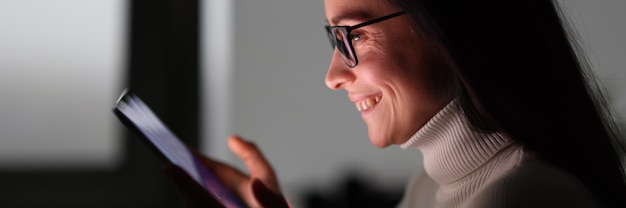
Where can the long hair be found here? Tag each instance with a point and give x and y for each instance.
(520, 72)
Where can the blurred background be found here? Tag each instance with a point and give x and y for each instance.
(208, 69)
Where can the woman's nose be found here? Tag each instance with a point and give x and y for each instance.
(339, 74)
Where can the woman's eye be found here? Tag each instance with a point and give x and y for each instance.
(355, 37)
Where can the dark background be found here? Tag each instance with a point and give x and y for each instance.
(162, 67)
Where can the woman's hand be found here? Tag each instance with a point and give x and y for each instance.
(259, 189)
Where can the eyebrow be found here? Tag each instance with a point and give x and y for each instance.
(352, 15)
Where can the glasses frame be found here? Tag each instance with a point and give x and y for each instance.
(346, 49)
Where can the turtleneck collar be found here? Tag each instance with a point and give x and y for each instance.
(451, 148)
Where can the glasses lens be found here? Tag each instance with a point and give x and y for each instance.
(342, 42)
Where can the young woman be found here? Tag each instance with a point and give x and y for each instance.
(494, 93)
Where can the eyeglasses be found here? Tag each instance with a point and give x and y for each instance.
(341, 38)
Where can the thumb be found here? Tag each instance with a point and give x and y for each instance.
(267, 197)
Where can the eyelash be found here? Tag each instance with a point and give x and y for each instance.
(355, 37)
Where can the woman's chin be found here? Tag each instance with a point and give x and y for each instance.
(379, 141)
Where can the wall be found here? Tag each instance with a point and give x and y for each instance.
(601, 28)
(60, 65)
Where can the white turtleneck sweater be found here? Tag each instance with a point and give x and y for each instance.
(467, 168)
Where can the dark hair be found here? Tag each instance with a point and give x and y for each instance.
(519, 71)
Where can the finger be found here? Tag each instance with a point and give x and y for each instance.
(192, 193)
(267, 197)
(254, 160)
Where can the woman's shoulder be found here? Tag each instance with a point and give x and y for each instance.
(534, 183)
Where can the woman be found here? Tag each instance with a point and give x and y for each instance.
(497, 100)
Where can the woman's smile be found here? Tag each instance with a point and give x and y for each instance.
(363, 105)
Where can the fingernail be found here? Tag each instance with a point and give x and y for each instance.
(235, 137)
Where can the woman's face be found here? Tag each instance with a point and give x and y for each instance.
(397, 84)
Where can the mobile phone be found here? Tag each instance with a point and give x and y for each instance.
(137, 116)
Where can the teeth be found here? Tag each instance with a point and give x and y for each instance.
(367, 103)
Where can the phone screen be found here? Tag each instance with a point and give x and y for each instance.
(135, 114)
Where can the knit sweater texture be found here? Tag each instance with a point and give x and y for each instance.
(464, 167)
